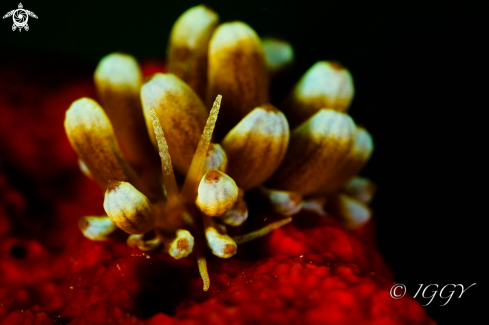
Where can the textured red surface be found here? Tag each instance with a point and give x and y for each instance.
(309, 272)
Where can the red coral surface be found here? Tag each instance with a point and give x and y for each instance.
(311, 271)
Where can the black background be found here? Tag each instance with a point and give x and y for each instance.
(420, 77)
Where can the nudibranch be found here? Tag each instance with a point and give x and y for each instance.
(218, 137)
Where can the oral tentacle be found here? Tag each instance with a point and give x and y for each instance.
(261, 232)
